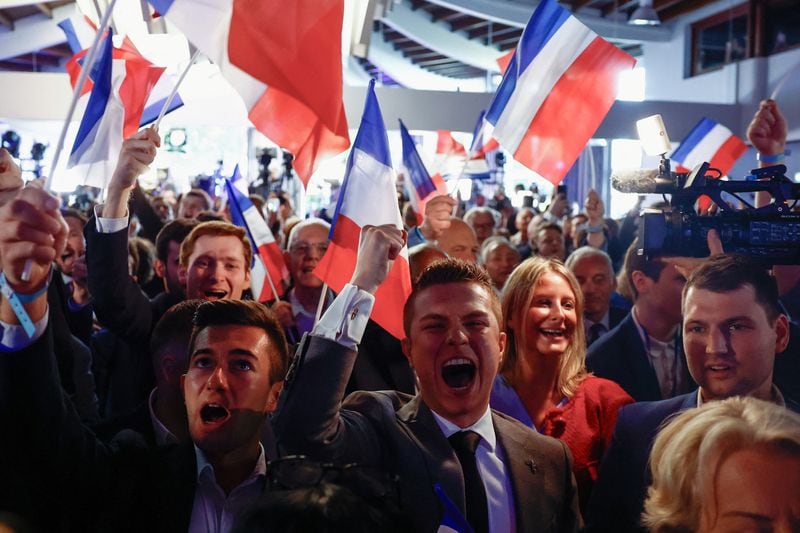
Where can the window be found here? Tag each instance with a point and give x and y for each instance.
(781, 28)
(721, 39)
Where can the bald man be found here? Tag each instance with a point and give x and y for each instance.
(459, 241)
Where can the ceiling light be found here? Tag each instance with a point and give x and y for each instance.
(645, 15)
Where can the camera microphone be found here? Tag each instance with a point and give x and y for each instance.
(644, 181)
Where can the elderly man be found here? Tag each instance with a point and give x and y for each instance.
(733, 327)
(237, 360)
(593, 270)
(483, 221)
(459, 241)
(445, 442)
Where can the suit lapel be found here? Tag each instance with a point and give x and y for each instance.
(440, 459)
(177, 487)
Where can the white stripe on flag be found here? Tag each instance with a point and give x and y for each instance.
(257, 226)
(708, 146)
(535, 83)
(207, 26)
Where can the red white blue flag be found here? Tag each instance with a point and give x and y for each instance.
(368, 196)
(420, 185)
(560, 84)
(267, 256)
(284, 59)
(709, 142)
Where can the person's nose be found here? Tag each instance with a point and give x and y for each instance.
(717, 341)
(217, 380)
(456, 334)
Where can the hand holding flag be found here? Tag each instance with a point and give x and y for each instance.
(378, 247)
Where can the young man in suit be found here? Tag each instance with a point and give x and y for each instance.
(237, 359)
(512, 479)
(733, 327)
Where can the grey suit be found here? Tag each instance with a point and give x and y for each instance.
(398, 433)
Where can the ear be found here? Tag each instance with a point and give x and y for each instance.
(781, 333)
(640, 281)
(183, 386)
(273, 395)
(247, 279)
(160, 268)
(169, 369)
(503, 338)
(405, 345)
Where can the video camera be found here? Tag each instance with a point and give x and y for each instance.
(770, 233)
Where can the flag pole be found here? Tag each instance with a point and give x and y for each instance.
(175, 90)
(321, 303)
(88, 63)
(793, 70)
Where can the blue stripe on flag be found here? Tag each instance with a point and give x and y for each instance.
(72, 37)
(693, 139)
(543, 24)
(451, 514)
(101, 93)
(162, 6)
(478, 127)
(150, 113)
(239, 203)
(417, 172)
(370, 139)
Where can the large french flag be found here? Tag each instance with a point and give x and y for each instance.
(121, 82)
(80, 32)
(560, 84)
(420, 185)
(367, 197)
(709, 142)
(267, 256)
(284, 59)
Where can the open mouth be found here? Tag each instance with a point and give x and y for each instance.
(458, 373)
(213, 413)
(214, 295)
(553, 333)
(720, 368)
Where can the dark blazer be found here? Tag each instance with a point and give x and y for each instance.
(618, 497)
(380, 364)
(67, 476)
(621, 356)
(397, 432)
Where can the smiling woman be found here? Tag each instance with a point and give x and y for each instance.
(543, 381)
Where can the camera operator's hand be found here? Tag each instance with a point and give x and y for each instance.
(438, 212)
(136, 154)
(768, 129)
(686, 265)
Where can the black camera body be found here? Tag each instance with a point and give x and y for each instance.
(770, 234)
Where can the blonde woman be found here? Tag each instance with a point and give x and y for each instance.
(543, 380)
(730, 465)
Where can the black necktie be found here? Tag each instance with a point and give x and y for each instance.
(465, 443)
(595, 332)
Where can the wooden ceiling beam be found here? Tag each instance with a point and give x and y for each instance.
(44, 8)
(6, 21)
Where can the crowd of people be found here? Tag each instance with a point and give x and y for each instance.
(550, 379)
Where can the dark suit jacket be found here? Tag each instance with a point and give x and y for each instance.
(398, 433)
(621, 356)
(380, 364)
(618, 497)
(55, 471)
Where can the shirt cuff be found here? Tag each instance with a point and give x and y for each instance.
(108, 225)
(346, 319)
(14, 338)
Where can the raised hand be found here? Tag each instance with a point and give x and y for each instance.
(379, 246)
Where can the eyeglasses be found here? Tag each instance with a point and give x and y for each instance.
(304, 248)
(298, 471)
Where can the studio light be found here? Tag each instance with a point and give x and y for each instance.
(645, 15)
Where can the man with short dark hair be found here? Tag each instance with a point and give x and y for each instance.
(732, 329)
(500, 474)
(168, 248)
(237, 359)
(643, 354)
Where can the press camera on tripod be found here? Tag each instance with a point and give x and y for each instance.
(770, 233)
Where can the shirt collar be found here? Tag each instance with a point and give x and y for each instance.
(587, 323)
(775, 396)
(483, 427)
(204, 467)
(162, 434)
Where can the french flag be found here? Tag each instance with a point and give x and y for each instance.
(453, 521)
(267, 256)
(560, 84)
(284, 59)
(482, 140)
(368, 196)
(420, 185)
(121, 83)
(80, 32)
(709, 142)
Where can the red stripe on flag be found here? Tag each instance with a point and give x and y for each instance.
(338, 264)
(573, 111)
(299, 58)
(504, 60)
(272, 257)
(730, 151)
